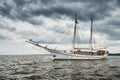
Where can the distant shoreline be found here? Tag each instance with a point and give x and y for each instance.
(110, 54)
(113, 54)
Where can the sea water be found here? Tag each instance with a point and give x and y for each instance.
(37, 67)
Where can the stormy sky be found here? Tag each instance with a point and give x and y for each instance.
(52, 22)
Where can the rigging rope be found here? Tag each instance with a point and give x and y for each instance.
(64, 37)
(99, 32)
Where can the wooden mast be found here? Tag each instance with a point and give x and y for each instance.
(91, 35)
(74, 36)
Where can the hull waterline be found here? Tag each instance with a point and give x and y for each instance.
(77, 57)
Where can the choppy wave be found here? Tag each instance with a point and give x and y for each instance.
(37, 67)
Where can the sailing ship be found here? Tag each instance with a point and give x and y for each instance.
(76, 53)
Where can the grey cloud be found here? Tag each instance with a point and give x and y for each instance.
(114, 23)
(61, 29)
(27, 34)
(21, 2)
(3, 37)
(55, 40)
(47, 2)
(112, 34)
(36, 21)
(112, 31)
(48, 41)
(6, 27)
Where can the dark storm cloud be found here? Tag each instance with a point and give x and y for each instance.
(114, 23)
(112, 34)
(118, 2)
(97, 9)
(109, 28)
(21, 2)
(112, 29)
(5, 11)
(26, 10)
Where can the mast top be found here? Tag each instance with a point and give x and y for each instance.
(76, 18)
(91, 19)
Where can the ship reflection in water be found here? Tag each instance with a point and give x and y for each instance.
(37, 67)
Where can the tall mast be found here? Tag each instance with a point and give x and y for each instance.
(74, 36)
(91, 35)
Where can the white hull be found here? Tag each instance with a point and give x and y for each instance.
(77, 56)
